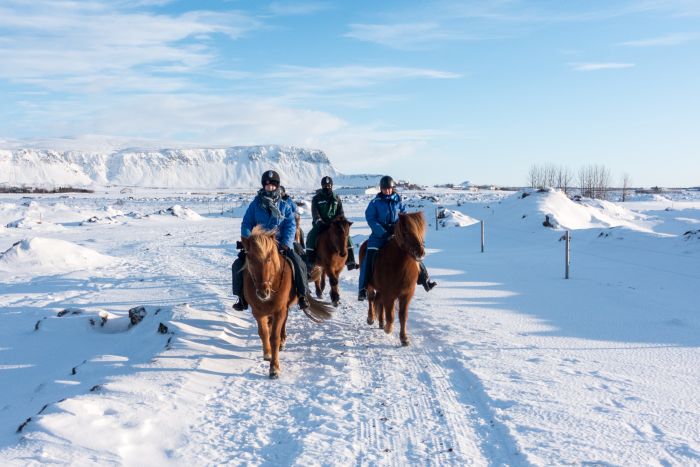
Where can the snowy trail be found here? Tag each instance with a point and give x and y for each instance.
(345, 386)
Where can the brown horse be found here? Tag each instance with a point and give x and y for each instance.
(396, 272)
(331, 255)
(268, 288)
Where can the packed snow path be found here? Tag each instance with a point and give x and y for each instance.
(348, 393)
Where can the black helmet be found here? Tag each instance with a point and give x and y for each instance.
(386, 182)
(326, 181)
(270, 176)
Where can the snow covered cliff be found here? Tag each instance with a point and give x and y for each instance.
(233, 167)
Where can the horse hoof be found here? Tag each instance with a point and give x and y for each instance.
(267, 357)
(274, 374)
(370, 321)
(336, 303)
(388, 328)
(319, 294)
(404, 342)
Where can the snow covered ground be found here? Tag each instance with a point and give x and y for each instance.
(509, 363)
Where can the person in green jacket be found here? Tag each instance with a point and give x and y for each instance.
(325, 206)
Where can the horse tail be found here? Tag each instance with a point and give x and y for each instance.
(318, 311)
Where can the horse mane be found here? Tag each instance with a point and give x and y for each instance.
(264, 239)
(411, 224)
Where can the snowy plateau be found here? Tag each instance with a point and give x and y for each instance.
(195, 168)
(119, 345)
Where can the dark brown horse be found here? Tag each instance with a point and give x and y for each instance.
(267, 286)
(331, 255)
(396, 272)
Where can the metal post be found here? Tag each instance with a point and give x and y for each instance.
(482, 236)
(568, 254)
(436, 217)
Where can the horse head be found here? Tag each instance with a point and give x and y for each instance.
(410, 234)
(340, 231)
(262, 261)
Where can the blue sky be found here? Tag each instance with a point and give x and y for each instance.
(442, 91)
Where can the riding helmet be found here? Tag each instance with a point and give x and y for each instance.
(270, 176)
(326, 181)
(386, 182)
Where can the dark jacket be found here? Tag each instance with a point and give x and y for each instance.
(325, 207)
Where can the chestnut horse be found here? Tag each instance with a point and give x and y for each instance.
(331, 255)
(268, 288)
(396, 272)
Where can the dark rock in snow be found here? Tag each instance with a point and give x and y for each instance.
(137, 314)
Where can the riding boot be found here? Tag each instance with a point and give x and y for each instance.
(350, 263)
(237, 281)
(241, 304)
(424, 278)
(300, 278)
(366, 273)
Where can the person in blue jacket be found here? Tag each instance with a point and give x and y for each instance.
(270, 211)
(381, 214)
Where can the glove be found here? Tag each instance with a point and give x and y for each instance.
(239, 245)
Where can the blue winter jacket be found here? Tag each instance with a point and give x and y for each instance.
(256, 214)
(383, 211)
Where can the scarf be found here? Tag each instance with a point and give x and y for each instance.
(268, 201)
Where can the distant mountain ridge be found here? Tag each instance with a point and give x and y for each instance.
(232, 167)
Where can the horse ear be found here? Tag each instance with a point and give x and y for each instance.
(350, 222)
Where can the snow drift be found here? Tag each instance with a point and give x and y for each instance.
(41, 255)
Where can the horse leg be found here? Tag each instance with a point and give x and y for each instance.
(371, 306)
(264, 333)
(388, 306)
(275, 338)
(404, 300)
(283, 333)
(335, 295)
(319, 290)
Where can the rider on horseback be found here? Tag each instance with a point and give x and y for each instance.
(270, 211)
(325, 206)
(381, 214)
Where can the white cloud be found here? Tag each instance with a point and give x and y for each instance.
(404, 35)
(326, 78)
(93, 46)
(667, 40)
(599, 66)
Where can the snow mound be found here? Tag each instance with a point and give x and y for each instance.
(553, 208)
(455, 219)
(31, 223)
(50, 255)
(180, 211)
